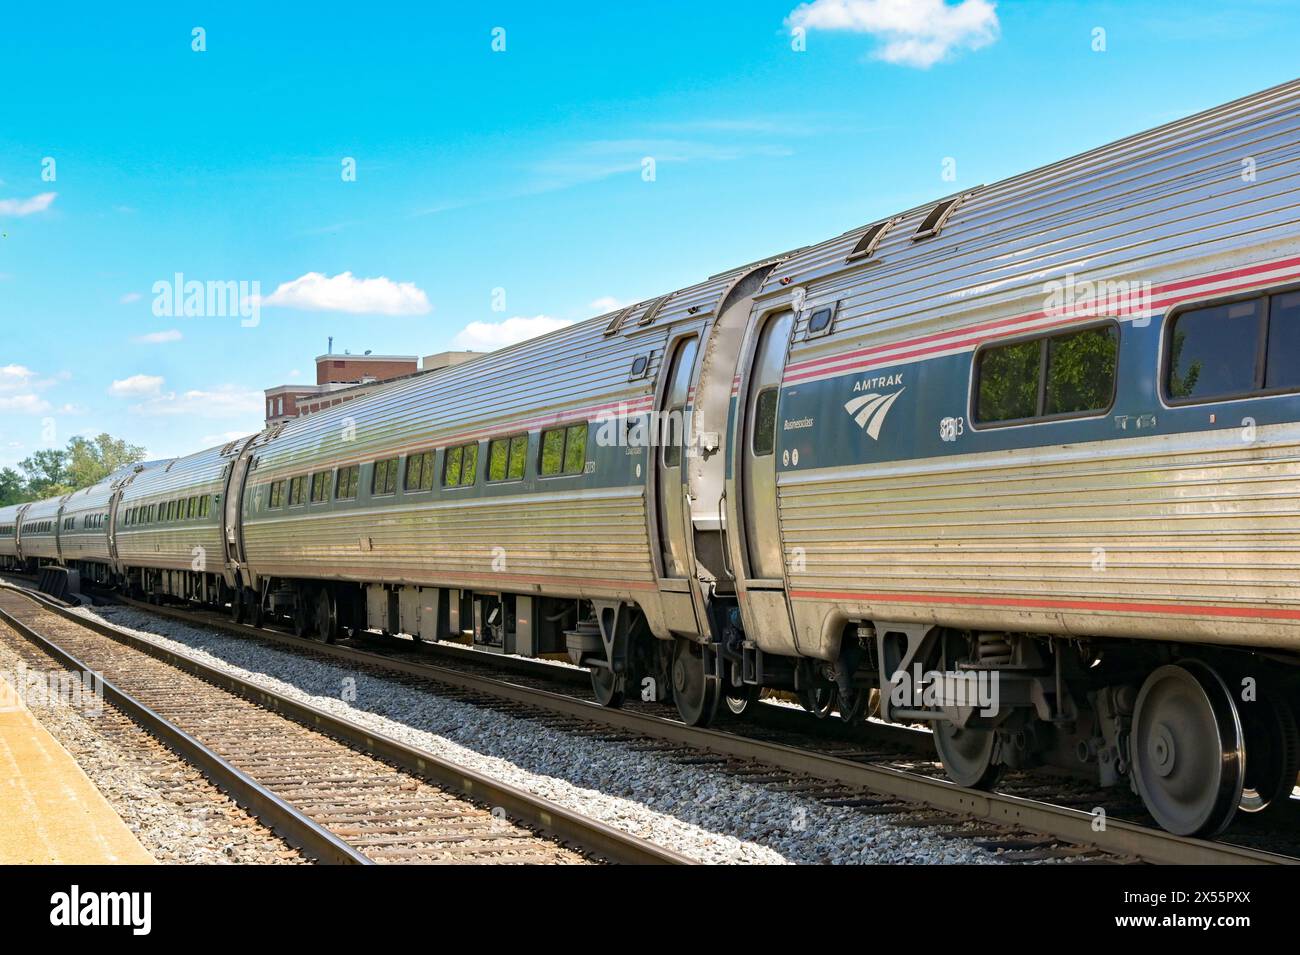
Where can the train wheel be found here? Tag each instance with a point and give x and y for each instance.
(819, 699)
(1272, 755)
(738, 699)
(694, 693)
(607, 687)
(304, 622)
(256, 615)
(1188, 749)
(327, 616)
(861, 703)
(969, 755)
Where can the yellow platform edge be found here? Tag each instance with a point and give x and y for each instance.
(50, 811)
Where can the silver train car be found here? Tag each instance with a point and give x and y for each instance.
(1022, 464)
(86, 535)
(10, 518)
(167, 527)
(38, 532)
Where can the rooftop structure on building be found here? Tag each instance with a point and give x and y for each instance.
(341, 378)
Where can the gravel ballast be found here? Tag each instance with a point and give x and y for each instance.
(175, 812)
(701, 813)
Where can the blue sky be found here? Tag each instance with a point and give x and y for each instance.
(520, 170)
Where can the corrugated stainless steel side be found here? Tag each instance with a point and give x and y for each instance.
(1006, 541)
(1123, 538)
(41, 544)
(177, 545)
(79, 542)
(587, 542)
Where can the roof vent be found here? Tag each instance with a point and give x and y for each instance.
(934, 222)
(652, 312)
(870, 239)
(617, 322)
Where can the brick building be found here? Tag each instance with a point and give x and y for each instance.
(341, 378)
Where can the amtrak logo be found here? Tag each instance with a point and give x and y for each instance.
(869, 410)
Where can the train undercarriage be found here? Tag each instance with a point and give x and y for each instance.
(1199, 732)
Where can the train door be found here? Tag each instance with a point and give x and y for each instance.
(670, 454)
(762, 534)
(672, 512)
(232, 506)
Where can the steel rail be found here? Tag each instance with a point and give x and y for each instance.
(1117, 836)
(535, 811)
(290, 823)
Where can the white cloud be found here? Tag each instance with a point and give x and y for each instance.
(18, 390)
(24, 404)
(488, 336)
(130, 297)
(13, 377)
(607, 303)
(159, 338)
(136, 385)
(912, 32)
(346, 293)
(223, 401)
(27, 207)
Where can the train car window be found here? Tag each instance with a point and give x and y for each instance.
(277, 495)
(498, 459)
(203, 506)
(563, 450)
(1214, 351)
(451, 467)
(507, 458)
(192, 510)
(552, 461)
(1008, 382)
(1081, 371)
(673, 424)
(765, 422)
(320, 486)
(1282, 363)
(419, 471)
(1052, 376)
(575, 448)
(518, 456)
(345, 483)
(297, 490)
(384, 479)
(819, 322)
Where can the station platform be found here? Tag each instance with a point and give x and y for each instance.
(50, 811)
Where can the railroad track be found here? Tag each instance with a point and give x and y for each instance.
(1028, 824)
(877, 772)
(339, 792)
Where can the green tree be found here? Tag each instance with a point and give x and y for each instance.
(46, 472)
(51, 472)
(12, 487)
(92, 460)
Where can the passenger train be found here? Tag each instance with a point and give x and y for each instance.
(1025, 461)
